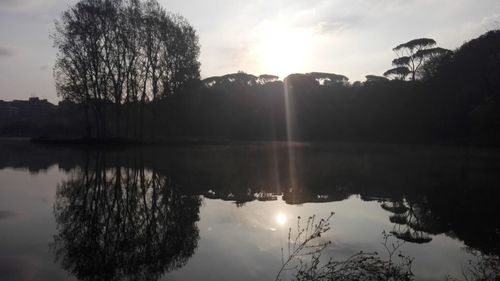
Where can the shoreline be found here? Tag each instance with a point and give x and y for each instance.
(129, 142)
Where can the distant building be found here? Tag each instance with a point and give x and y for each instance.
(31, 109)
(8, 112)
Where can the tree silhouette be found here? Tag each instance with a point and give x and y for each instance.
(399, 73)
(411, 57)
(122, 52)
(375, 79)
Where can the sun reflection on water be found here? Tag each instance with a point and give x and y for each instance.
(281, 219)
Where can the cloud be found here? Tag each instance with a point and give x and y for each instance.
(25, 5)
(486, 24)
(6, 214)
(13, 5)
(9, 3)
(7, 52)
(337, 24)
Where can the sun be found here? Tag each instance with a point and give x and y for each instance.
(281, 219)
(281, 50)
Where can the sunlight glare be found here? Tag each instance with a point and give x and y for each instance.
(281, 219)
(281, 50)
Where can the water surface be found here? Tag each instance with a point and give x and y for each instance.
(223, 212)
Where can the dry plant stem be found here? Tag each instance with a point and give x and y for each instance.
(304, 236)
(359, 267)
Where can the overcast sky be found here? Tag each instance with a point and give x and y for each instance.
(349, 37)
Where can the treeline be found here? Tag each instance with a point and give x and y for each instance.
(128, 69)
(454, 97)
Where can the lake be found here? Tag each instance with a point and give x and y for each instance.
(223, 212)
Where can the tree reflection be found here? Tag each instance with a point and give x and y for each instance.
(411, 223)
(123, 223)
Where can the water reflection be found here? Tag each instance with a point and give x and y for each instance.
(409, 221)
(133, 213)
(123, 222)
(427, 190)
(281, 218)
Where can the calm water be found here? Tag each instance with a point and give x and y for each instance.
(223, 212)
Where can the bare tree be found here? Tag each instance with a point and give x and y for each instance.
(122, 52)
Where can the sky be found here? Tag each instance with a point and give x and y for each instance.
(350, 37)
